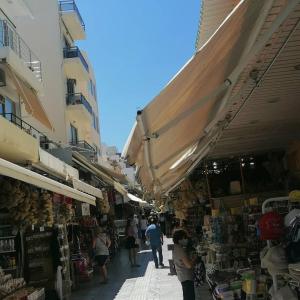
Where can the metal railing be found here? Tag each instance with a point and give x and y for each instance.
(78, 98)
(75, 52)
(23, 125)
(69, 6)
(26, 127)
(10, 38)
(85, 147)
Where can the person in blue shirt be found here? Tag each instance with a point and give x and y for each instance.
(155, 237)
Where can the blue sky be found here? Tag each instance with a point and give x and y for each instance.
(135, 46)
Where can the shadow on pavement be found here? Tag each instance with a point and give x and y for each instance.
(119, 270)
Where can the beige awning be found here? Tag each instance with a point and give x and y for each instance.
(120, 188)
(172, 131)
(86, 188)
(14, 171)
(114, 174)
(31, 100)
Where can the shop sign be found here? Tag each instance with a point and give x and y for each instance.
(85, 209)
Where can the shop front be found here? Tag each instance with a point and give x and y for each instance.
(34, 245)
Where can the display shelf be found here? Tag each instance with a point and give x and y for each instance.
(7, 237)
(7, 251)
(9, 269)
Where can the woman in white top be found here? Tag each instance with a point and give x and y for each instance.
(101, 244)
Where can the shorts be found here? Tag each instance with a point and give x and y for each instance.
(130, 242)
(101, 260)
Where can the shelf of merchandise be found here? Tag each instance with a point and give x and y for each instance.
(7, 251)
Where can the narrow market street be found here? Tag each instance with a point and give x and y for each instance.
(145, 282)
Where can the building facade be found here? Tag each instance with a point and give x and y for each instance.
(49, 82)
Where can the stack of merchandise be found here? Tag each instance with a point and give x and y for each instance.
(281, 258)
(104, 204)
(8, 285)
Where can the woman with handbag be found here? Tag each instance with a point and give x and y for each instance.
(101, 244)
(131, 242)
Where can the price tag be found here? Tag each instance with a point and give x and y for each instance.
(42, 229)
(32, 227)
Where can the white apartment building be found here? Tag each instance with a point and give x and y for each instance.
(49, 83)
(111, 158)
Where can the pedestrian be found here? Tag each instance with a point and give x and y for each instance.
(183, 264)
(155, 237)
(131, 242)
(143, 226)
(101, 244)
(162, 222)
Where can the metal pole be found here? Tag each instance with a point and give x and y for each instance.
(242, 176)
(207, 184)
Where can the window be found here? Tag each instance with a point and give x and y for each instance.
(7, 107)
(91, 87)
(71, 86)
(97, 124)
(73, 134)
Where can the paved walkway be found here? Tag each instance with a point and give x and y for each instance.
(143, 283)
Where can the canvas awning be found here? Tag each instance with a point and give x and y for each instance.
(32, 103)
(120, 188)
(114, 174)
(173, 130)
(86, 188)
(17, 172)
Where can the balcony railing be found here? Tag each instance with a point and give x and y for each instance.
(78, 98)
(22, 125)
(75, 52)
(70, 6)
(84, 148)
(83, 145)
(10, 38)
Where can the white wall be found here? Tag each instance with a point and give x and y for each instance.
(43, 35)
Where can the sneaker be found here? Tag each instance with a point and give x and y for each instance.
(156, 267)
(162, 265)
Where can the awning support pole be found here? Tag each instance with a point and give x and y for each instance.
(147, 150)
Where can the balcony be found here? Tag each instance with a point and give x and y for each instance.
(19, 56)
(19, 141)
(79, 109)
(85, 149)
(75, 64)
(72, 19)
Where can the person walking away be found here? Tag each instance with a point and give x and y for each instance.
(101, 244)
(131, 242)
(143, 225)
(154, 235)
(183, 264)
(162, 222)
